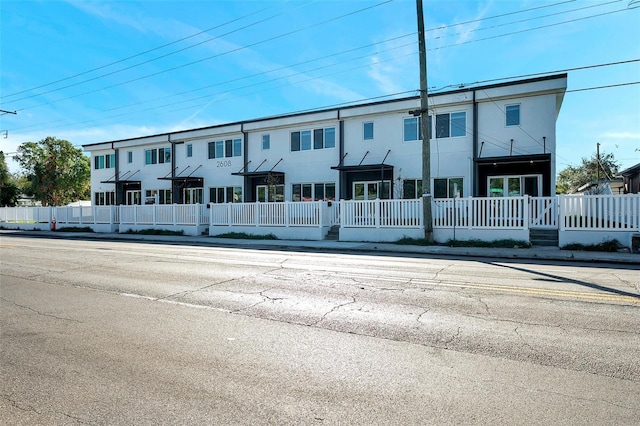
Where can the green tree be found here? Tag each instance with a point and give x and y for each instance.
(572, 178)
(57, 172)
(9, 191)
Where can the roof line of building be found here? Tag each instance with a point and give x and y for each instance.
(466, 88)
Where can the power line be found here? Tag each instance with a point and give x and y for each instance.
(138, 55)
(232, 51)
(199, 60)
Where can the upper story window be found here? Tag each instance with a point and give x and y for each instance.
(107, 161)
(189, 150)
(266, 142)
(129, 157)
(412, 129)
(226, 148)
(451, 125)
(306, 140)
(157, 156)
(367, 131)
(512, 113)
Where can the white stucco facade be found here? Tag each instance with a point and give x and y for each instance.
(480, 135)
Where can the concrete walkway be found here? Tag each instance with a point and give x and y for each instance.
(534, 253)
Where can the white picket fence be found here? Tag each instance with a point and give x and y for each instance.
(491, 216)
(381, 214)
(308, 214)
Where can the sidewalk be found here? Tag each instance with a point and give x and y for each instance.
(534, 253)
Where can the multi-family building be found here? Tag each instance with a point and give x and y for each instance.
(486, 140)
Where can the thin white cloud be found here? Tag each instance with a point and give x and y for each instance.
(621, 135)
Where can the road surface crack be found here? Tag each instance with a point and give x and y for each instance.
(40, 313)
(336, 307)
(195, 290)
(524, 341)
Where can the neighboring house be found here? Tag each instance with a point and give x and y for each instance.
(493, 140)
(631, 178)
(607, 187)
(28, 201)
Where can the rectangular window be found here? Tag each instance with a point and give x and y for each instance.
(458, 124)
(98, 162)
(225, 149)
(313, 191)
(129, 157)
(189, 150)
(305, 140)
(228, 194)
(159, 155)
(411, 188)
(448, 188)
(318, 139)
(110, 161)
(367, 131)
(442, 125)
(219, 149)
(330, 137)
(266, 142)
(295, 141)
(412, 129)
(105, 198)
(513, 115)
(451, 125)
(228, 148)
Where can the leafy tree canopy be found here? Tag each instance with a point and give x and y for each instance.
(9, 191)
(57, 172)
(572, 178)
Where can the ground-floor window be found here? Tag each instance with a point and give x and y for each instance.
(372, 190)
(514, 186)
(193, 195)
(275, 193)
(448, 187)
(227, 194)
(105, 198)
(313, 191)
(134, 197)
(411, 188)
(157, 196)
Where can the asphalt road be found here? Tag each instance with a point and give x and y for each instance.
(99, 332)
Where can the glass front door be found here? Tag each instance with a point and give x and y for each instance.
(275, 193)
(134, 197)
(193, 195)
(370, 190)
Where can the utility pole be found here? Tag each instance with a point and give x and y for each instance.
(598, 163)
(426, 130)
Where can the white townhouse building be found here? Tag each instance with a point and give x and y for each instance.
(492, 140)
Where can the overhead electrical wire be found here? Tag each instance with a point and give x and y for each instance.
(385, 96)
(136, 55)
(202, 59)
(217, 37)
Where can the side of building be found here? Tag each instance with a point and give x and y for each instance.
(494, 140)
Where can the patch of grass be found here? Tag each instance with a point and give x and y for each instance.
(245, 236)
(610, 246)
(74, 229)
(508, 243)
(154, 232)
(406, 241)
(465, 243)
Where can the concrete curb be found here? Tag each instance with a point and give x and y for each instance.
(532, 254)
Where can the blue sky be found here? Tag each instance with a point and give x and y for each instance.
(94, 71)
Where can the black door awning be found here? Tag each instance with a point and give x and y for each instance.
(363, 168)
